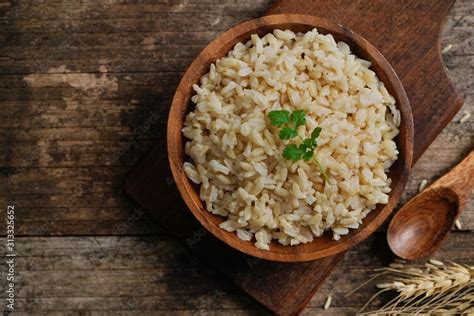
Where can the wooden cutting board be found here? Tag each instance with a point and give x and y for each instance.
(407, 33)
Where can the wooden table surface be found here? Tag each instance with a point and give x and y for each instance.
(84, 91)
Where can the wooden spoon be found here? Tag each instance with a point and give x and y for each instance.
(420, 226)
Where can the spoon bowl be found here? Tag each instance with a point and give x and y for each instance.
(421, 225)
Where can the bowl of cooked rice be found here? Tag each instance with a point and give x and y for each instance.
(290, 138)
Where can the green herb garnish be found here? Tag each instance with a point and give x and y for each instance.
(290, 123)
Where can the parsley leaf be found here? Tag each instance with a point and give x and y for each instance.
(297, 118)
(307, 143)
(292, 152)
(308, 149)
(279, 118)
(290, 123)
(287, 133)
(315, 135)
(308, 155)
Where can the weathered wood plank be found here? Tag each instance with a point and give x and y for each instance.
(76, 153)
(82, 11)
(147, 58)
(152, 273)
(201, 21)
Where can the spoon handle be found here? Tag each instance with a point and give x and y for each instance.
(460, 179)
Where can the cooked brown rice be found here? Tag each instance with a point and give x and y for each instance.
(236, 155)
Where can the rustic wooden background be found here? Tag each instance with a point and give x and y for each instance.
(84, 91)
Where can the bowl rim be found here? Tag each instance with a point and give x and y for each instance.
(176, 115)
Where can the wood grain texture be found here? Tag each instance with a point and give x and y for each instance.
(459, 180)
(155, 275)
(60, 139)
(181, 105)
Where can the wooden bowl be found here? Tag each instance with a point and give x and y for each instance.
(181, 105)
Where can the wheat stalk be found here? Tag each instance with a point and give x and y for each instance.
(435, 288)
